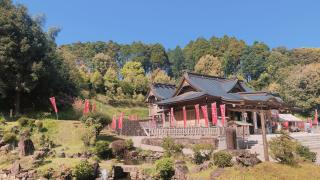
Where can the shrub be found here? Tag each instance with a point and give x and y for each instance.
(164, 168)
(84, 171)
(202, 152)
(23, 121)
(129, 144)
(305, 153)
(96, 120)
(39, 125)
(118, 148)
(222, 159)
(9, 138)
(102, 150)
(88, 137)
(170, 147)
(283, 149)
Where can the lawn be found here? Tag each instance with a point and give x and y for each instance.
(269, 171)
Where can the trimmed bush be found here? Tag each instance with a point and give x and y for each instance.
(96, 120)
(39, 125)
(283, 149)
(202, 152)
(164, 168)
(84, 171)
(170, 147)
(222, 159)
(88, 137)
(102, 150)
(305, 153)
(23, 121)
(119, 148)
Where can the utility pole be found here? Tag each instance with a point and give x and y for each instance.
(264, 136)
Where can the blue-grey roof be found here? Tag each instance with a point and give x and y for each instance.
(218, 87)
(163, 91)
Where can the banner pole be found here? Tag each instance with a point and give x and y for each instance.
(57, 116)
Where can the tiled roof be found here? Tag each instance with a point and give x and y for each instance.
(218, 87)
(163, 91)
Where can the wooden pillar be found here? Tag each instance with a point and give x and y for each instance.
(264, 136)
(255, 125)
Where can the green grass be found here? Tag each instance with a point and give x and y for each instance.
(270, 171)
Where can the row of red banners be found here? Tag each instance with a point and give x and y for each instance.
(204, 110)
(114, 124)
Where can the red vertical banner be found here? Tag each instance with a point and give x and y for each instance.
(196, 107)
(53, 103)
(205, 114)
(184, 117)
(120, 120)
(163, 119)
(114, 122)
(316, 117)
(171, 118)
(214, 113)
(86, 106)
(223, 113)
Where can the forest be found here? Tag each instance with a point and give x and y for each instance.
(33, 67)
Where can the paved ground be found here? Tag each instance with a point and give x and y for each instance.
(258, 148)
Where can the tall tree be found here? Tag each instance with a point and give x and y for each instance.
(102, 62)
(160, 76)
(158, 57)
(209, 65)
(177, 61)
(134, 75)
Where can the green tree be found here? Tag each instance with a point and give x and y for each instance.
(301, 87)
(133, 75)
(194, 50)
(177, 61)
(111, 81)
(209, 65)
(102, 62)
(160, 76)
(158, 56)
(97, 81)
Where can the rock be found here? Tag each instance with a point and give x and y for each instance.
(26, 146)
(2, 143)
(39, 155)
(62, 155)
(69, 155)
(16, 168)
(248, 159)
(205, 165)
(96, 169)
(5, 148)
(181, 170)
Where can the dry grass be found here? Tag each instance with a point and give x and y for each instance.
(270, 171)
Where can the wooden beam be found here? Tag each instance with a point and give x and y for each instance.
(264, 136)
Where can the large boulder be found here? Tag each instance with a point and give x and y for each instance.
(247, 159)
(181, 170)
(26, 146)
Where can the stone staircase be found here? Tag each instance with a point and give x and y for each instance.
(312, 141)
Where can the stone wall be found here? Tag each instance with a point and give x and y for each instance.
(131, 128)
(186, 142)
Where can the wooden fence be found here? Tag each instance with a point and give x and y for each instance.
(189, 131)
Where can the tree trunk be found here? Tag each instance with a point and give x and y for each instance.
(17, 101)
(264, 137)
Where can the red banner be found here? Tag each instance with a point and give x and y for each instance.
(163, 119)
(196, 107)
(184, 117)
(120, 120)
(53, 103)
(171, 118)
(214, 113)
(205, 114)
(223, 113)
(315, 117)
(114, 122)
(86, 106)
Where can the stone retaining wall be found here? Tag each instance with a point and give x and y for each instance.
(186, 142)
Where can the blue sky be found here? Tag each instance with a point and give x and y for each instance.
(176, 22)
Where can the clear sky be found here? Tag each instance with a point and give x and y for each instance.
(290, 23)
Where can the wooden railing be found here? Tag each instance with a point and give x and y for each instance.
(189, 131)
